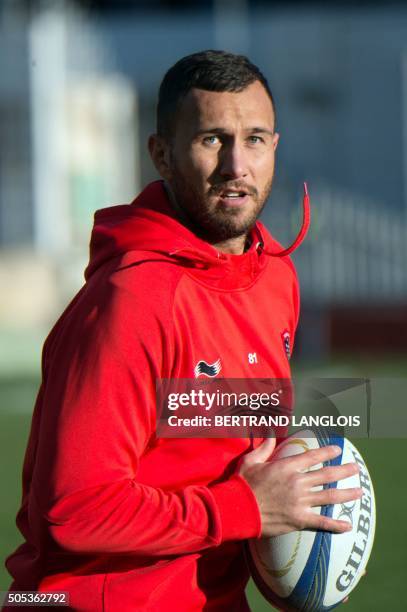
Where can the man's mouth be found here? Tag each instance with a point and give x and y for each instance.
(233, 194)
(234, 198)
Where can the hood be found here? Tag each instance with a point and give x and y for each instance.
(150, 228)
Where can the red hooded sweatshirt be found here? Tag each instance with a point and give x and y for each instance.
(122, 520)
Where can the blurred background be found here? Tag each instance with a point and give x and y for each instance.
(78, 89)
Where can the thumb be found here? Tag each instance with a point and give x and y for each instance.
(262, 452)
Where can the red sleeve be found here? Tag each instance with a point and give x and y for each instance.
(97, 418)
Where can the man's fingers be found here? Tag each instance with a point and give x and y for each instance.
(334, 496)
(331, 474)
(317, 521)
(316, 456)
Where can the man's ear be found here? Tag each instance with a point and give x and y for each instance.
(160, 154)
(276, 138)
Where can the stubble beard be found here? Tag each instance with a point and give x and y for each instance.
(219, 223)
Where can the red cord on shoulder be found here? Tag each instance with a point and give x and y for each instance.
(306, 220)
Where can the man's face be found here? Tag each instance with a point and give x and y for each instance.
(221, 159)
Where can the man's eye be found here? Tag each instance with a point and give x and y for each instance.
(255, 139)
(211, 140)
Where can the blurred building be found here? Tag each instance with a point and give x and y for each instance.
(77, 102)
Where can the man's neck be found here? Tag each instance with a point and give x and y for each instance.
(231, 246)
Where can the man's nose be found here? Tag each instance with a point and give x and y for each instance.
(233, 162)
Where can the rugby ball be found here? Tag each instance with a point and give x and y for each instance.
(310, 570)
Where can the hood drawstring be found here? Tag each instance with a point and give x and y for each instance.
(306, 211)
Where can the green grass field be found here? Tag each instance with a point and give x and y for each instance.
(382, 588)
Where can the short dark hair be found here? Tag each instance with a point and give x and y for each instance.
(209, 70)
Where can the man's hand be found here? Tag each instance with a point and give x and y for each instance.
(283, 488)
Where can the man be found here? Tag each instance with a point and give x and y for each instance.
(116, 516)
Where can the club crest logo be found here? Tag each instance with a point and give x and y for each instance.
(286, 338)
(207, 369)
